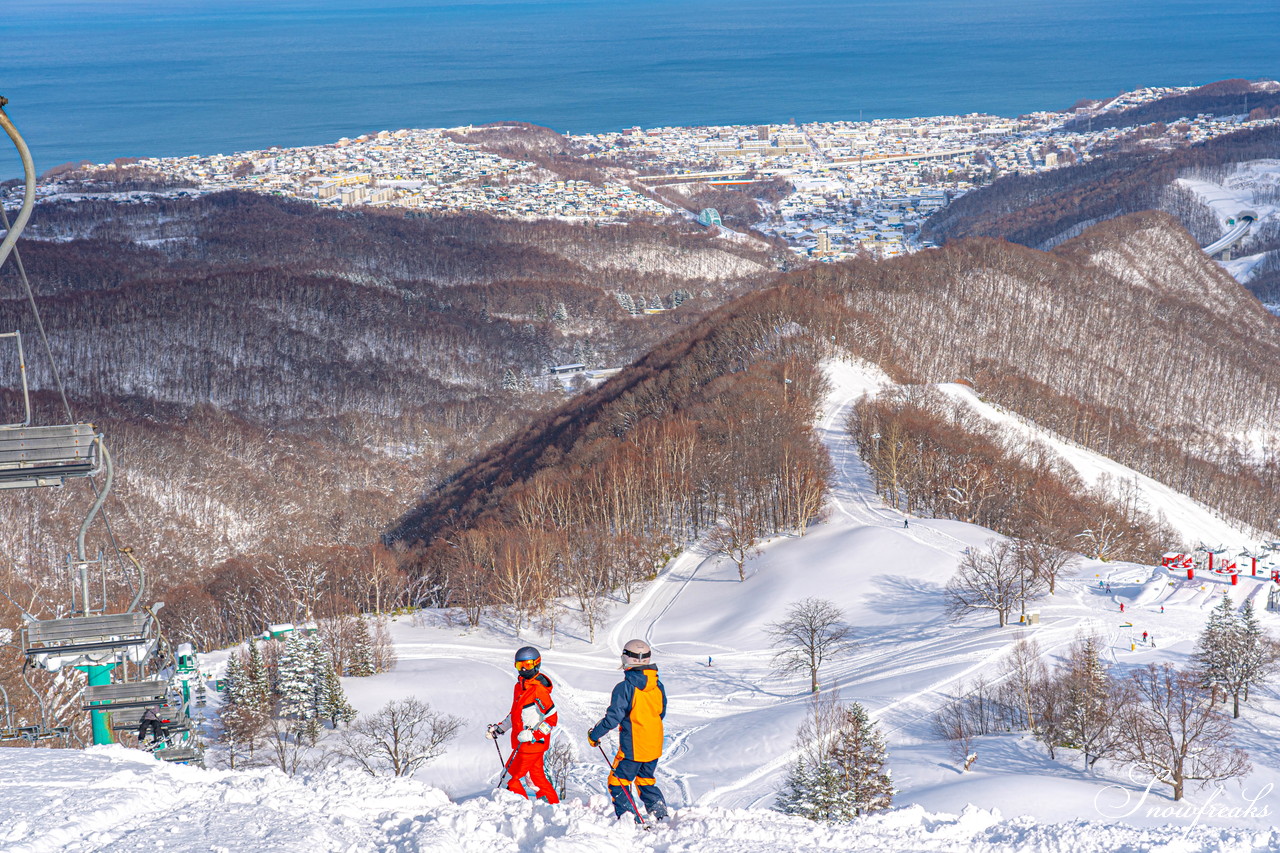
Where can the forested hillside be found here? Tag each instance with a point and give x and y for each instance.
(1100, 340)
(1220, 98)
(277, 383)
(1043, 209)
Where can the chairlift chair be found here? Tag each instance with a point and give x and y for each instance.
(27, 733)
(34, 456)
(88, 640)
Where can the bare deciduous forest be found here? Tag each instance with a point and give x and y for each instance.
(278, 383)
(1101, 340)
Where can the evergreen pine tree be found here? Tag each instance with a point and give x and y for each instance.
(295, 681)
(802, 794)
(361, 665)
(627, 303)
(1087, 720)
(333, 703)
(838, 775)
(862, 784)
(257, 681)
(318, 663)
(510, 382)
(234, 681)
(561, 315)
(1252, 645)
(1248, 657)
(1215, 648)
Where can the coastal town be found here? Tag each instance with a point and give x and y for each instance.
(852, 186)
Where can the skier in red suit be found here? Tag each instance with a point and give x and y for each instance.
(531, 721)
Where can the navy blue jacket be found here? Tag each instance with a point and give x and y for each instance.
(636, 709)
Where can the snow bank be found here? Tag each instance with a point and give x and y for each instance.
(112, 799)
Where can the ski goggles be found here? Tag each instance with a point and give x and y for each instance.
(528, 665)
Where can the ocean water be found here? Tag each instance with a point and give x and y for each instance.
(94, 80)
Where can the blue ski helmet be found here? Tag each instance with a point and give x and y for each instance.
(528, 661)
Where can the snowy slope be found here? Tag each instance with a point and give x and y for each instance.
(1192, 520)
(731, 724)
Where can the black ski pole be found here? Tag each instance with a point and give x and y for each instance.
(626, 788)
(503, 761)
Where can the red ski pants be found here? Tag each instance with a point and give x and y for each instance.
(529, 764)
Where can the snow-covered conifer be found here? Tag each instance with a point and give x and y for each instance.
(1088, 705)
(839, 772)
(234, 681)
(1234, 652)
(1216, 646)
(333, 699)
(361, 664)
(257, 680)
(295, 680)
(862, 783)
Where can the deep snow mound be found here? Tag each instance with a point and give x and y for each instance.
(113, 799)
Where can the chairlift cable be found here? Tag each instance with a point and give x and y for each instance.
(35, 311)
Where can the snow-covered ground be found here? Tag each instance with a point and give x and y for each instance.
(731, 723)
(1250, 188)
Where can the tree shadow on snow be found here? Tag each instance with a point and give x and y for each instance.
(899, 596)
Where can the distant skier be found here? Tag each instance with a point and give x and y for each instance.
(1144, 636)
(636, 709)
(1122, 607)
(151, 720)
(532, 718)
(906, 523)
(708, 661)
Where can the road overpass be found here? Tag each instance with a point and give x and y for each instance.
(1243, 221)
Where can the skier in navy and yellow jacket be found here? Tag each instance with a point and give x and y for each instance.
(636, 710)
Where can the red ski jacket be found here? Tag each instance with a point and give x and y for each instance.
(531, 704)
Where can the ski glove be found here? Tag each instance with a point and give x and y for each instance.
(590, 741)
(493, 731)
(525, 736)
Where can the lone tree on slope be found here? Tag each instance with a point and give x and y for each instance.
(1174, 732)
(994, 579)
(813, 633)
(399, 738)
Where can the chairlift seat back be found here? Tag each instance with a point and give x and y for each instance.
(52, 634)
(35, 456)
(180, 753)
(136, 694)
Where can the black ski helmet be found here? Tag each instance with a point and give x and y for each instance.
(525, 655)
